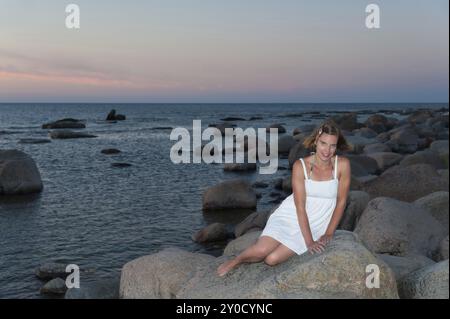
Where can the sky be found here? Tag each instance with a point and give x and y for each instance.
(234, 51)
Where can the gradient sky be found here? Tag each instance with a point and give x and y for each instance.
(224, 51)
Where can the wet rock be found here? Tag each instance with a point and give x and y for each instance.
(18, 173)
(229, 195)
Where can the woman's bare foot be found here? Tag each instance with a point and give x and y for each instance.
(225, 267)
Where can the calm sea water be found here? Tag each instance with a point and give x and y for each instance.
(101, 217)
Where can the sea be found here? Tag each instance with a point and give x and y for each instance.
(100, 217)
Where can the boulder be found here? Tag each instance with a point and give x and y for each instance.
(376, 148)
(389, 226)
(296, 152)
(64, 123)
(285, 143)
(377, 122)
(212, 232)
(430, 282)
(241, 243)
(18, 173)
(405, 140)
(338, 272)
(66, 134)
(356, 203)
(440, 146)
(385, 159)
(34, 141)
(239, 167)
(52, 270)
(253, 221)
(100, 289)
(358, 143)
(402, 266)
(347, 121)
(437, 205)
(160, 275)
(228, 195)
(365, 132)
(407, 183)
(112, 116)
(424, 157)
(55, 286)
(110, 151)
(419, 116)
(369, 164)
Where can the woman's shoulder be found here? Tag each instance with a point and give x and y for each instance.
(343, 163)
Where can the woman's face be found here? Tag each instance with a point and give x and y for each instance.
(326, 146)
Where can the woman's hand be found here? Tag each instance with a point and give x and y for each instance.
(315, 247)
(325, 239)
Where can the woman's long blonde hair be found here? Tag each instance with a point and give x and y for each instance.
(331, 128)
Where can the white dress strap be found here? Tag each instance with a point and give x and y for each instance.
(335, 167)
(304, 168)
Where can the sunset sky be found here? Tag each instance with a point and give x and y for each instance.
(224, 51)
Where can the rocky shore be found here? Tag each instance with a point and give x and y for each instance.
(396, 218)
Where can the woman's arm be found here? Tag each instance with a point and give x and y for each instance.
(344, 187)
(299, 193)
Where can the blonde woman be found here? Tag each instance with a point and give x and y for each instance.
(307, 219)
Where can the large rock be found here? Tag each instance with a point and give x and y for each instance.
(376, 148)
(64, 123)
(339, 272)
(112, 116)
(212, 232)
(365, 132)
(55, 286)
(347, 121)
(385, 159)
(430, 282)
(377, 122)
(239, 167)
(424, 157)
(66, 134)
(419, 116)
(389, 226)
(402, 266)
(369, 164)
(405, 140)
(285, 143)
(358, 143)
(437, 205)
(407, 183)
(52, 270)
(18, 173)
(241, 243)
(160, 275)
(228, 195)
(356, 203)
(440, 146)
(253, 221)
(296, 152)
(101, 289)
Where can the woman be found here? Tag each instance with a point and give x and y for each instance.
(307, 219)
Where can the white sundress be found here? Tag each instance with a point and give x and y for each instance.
(320, 203)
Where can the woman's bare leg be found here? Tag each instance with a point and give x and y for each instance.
(255, 253)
